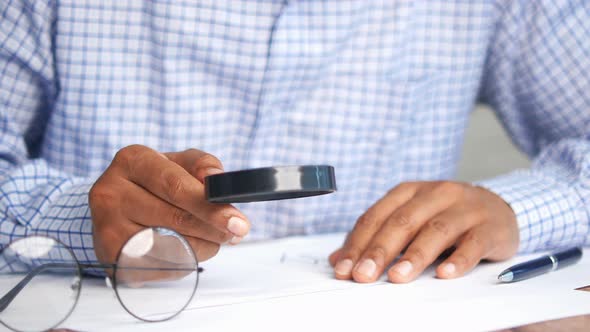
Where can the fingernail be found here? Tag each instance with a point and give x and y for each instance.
(449, 269)
(367, 268)
(343, 267)
(403, 268)
(235, 240)
(237, 226)
(212, 171)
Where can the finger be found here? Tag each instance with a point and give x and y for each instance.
(197, 163)
(397, 232)
(108, 242)
(367, 225)
(201, 164)
(145, 209)
(334, 257)
(136, 272)
(438, 234)
(163, 262)
(110, 229)
(172, 183)
(472, 248)
(171, 251)
(154, 255)
(203, 249)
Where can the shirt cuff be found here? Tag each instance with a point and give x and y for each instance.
(68, 219)
(550, 214)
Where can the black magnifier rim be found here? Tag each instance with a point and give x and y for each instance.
(115, 282)
(78, 271)
(270, 183)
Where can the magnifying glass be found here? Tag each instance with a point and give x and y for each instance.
(270, 183)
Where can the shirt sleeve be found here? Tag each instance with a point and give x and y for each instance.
(537, 79)
(35, 198)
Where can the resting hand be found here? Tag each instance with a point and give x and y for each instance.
(427, 218)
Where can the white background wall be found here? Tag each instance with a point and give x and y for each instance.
(488, 150)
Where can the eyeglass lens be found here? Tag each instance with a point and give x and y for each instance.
(155, 278)
(47, 291)
(156, 274)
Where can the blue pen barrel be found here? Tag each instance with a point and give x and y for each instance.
(532, 268)
(568, 257)
(541, 265)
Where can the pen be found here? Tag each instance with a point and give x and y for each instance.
(541, 265)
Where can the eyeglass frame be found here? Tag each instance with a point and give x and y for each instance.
(7, 298)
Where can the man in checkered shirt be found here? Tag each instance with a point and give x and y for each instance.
(107, 107)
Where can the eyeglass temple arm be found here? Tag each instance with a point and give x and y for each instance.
(110, 266)
(11, 294)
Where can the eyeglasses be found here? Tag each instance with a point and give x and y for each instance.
(40, 279)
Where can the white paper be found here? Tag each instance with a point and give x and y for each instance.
(288, 285)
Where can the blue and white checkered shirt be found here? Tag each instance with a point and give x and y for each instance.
(382, 90)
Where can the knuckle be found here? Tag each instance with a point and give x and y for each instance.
(192, 151)
(208, 159)
(174, 186)
(128, 153)
(416, 255)
(367, 220)
(102, 196)
(461, 260)
(449, 188)
(403, 220)
(181, 218)
(440, 227)
(352, 252)
(477, 215)
(377, 252)
(474, 239)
